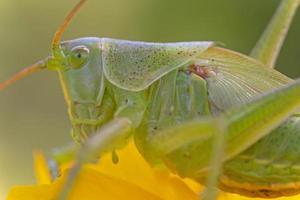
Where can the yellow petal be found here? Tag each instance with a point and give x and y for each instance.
(90, 185)
(133, 168)
(42, 173)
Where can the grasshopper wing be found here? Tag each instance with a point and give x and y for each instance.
(234, 79)
(135, 65)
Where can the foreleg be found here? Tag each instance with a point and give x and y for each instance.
(110, 137)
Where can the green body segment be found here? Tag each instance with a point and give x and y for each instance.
(175, 99)
(280, 160)
(171, 94)
(273, 163)
(135, 65)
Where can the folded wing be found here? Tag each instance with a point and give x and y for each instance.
(234, 79)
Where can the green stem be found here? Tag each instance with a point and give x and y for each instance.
(268, 46)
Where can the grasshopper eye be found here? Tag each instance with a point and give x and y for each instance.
(79, 56)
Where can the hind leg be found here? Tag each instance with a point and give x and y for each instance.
(234, 131)
(268, 46)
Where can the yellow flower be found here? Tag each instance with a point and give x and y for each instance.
(132, 178)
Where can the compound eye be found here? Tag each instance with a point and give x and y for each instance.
(79, 56)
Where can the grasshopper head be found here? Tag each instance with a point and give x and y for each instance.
(80, 71)
(79, 65)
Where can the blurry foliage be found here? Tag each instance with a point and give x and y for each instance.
(33, 113)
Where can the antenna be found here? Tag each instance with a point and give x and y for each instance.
(55, 46)
(24, 72)
(58, 34)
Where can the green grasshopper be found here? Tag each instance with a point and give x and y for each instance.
(211, 114)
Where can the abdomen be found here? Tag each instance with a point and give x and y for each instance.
(270, 168)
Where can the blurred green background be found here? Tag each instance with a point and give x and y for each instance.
(33, 113)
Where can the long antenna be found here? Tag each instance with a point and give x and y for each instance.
(55, 46)
(24, 72)
(58, 34)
